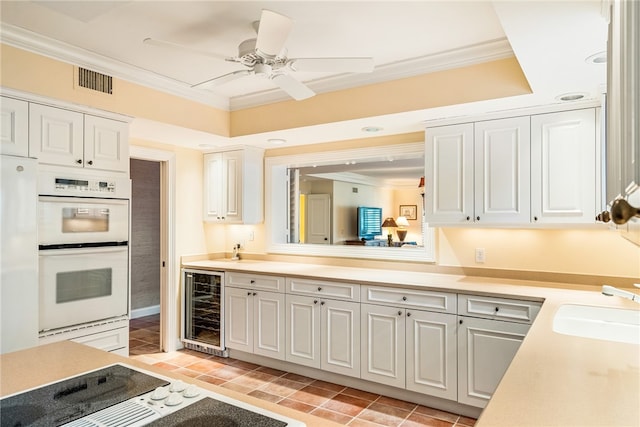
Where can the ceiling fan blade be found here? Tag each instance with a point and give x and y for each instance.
(339, 65)
(295, 88)
(220, 80)
(273, 31)
(171, 45)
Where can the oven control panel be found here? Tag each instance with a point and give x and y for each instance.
(92, 186)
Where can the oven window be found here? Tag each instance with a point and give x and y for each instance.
(83, 285)
(85, 220)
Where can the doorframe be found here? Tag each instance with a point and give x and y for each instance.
(169, 298)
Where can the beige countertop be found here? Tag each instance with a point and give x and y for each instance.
(554, 379)
(26, 369)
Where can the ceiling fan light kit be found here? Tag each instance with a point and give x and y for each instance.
(265, 56)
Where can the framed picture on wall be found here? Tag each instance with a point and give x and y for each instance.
(409, 211)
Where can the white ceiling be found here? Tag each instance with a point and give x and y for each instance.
(550, 39)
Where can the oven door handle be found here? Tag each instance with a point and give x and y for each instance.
(82, 245)
(82, 251)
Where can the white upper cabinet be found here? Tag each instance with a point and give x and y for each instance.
(233, 186)
(478, 172)
(448, 194)
(14, 127)
(69, 138)
(502, 171)
(538, 169)
(563, 167)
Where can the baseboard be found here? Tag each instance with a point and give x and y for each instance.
(145, 311)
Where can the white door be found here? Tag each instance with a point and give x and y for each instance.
(432, 365)
(106, 144)
(485, 351)
(14, 127)
(563, 167)
(56, 135)
(268, 326)
(340, 337)
(383, 345)
(238, 315)
(318, 219)
(448, 194)
(303, 330)
(502, 171)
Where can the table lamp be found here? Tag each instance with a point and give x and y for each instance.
(402, 225)
(389, 224)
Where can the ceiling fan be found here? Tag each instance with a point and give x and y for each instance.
(265, 56)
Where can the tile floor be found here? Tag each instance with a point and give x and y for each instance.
(337, 403)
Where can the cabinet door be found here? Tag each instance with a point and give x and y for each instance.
(213, 187)
(502, 171)
(268, 326)
(303, 330)
(383, 344)
(232, 186)
(448, 194)
(238, 317)
(56, 135)
(563, 167)
(432, 366)
(106, 144)
(14, 127)
(485, 350)
(340, 337)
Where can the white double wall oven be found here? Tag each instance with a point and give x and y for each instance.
(83, 234)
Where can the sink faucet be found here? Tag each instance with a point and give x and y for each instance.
(236, 252)
(611, 291)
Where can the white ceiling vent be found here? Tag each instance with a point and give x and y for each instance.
(95, 81)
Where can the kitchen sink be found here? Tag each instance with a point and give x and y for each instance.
(601, 323)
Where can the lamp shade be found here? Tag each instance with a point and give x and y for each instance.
(389, 222)
(402, 222)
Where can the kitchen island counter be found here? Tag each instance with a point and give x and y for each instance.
(34, 367)
(553, 380)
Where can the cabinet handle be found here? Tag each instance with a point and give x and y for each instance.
(404, 298)
(254, 294)
(322, 303)
(248, 294)
(79, 161)
(252, 281)
(315, 301)
(497, 309)
(477, 218)
(319, 288)
(468, 218)
(399, 313)
(535, 218)
(90, 162)
(408, 314)
(461, 321)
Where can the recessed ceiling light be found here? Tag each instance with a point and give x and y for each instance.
(206, 146)
(597, 58)
(276, 141)
(371, 129)
(573, 96)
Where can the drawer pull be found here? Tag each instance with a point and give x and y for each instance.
(404, 298)
(497, 309)
(254, 294)
(252, 281)
(249, 294)
(315, 301)
(319, 288)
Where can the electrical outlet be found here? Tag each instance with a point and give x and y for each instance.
(479, 255)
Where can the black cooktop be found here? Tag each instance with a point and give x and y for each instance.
(76, 397)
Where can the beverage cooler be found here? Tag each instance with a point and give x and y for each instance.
(203, 315)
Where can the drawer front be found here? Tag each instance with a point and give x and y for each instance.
(321, 288)
(254, 281)
(108, 341)
(498, 308)
(411, 298)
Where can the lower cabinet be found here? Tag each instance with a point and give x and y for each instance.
(410, 349)
(323, 334)
(485, 351)
(255, 321)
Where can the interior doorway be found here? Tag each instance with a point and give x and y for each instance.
(162, 235)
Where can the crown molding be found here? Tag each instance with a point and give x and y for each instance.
(45, 46)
